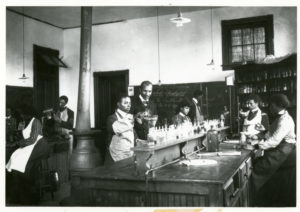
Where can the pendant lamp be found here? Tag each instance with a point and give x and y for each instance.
(158, 49)
(180, 20)
(212, 63)
(24, 77)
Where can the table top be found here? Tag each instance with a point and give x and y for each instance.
(218, 173)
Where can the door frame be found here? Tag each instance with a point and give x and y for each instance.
(36, 50)
(99, 74)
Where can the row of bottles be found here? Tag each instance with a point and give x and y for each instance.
(256, 76)
(282, 74)
(261, 88)
(171, 133)
(276, 86)
(283, 86)
(252, 76)
(245, 105)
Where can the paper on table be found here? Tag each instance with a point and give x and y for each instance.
(199, 162)
(229, 153)
(232, 141)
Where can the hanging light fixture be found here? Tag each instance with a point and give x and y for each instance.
(179, 20)
(212, 63)
(24, 77)
(158, 49)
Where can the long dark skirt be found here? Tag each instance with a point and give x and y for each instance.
(275, 168)
(21, 188)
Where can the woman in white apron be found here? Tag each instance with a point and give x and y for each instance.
(18, 166)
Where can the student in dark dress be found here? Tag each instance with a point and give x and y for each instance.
(182, 113)
(278, 146)
(21, 179)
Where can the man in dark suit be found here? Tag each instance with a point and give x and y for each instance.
(142, 107)
(64, 116)
(64, 119)
(195, 113)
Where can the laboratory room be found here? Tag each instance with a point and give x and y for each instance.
(151, 106)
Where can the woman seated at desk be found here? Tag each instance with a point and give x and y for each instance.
(278, 145)
(182, 115)
(21, 165)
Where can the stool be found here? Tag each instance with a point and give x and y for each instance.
(48, 180)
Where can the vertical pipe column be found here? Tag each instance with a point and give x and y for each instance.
(85, 156)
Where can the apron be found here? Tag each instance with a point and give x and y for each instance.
(20, 157)
(123, 140)
(249, 125)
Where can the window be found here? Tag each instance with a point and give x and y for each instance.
(246, 40)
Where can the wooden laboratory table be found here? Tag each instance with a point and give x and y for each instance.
(223, 184)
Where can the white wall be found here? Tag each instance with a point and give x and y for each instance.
(35, 33)
(184, 52)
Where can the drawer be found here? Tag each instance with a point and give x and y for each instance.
(249, 167)
(243, 174)
(231, 192)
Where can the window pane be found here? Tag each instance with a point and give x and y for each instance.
(237, 55)
(236, 37)
(259, 35)
(247, 36)
(260, 51)
(248, 52)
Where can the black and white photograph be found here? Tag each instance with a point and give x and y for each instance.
(167, 105)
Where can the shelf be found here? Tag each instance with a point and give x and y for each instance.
(265, 80)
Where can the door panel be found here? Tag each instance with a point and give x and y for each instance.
(108, 85)
(46, 80)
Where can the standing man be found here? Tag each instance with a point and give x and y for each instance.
(254, 117)
(195, 113)
(142, 107)
(64, 119)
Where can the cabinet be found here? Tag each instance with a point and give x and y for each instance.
(276, 75)
(224, 184)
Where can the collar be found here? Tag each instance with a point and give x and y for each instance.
(195, 100)
(61, 110)
(181, 114)
(256, 109)
(281, 112)
(122, 113)
(142, 99)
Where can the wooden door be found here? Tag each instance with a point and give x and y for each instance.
(107, 87)
(46, 79)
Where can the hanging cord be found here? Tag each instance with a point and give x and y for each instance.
(158, 49)
(23, 45)
(211, 33)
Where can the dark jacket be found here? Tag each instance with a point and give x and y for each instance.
(192, 113)
(70, 122)
(137, 107)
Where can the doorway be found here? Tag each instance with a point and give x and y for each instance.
(107, 87)
(46, 78)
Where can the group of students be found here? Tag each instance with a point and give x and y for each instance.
(26, 150)
(128, 121)
(277, 141)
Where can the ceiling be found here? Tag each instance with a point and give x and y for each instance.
(69, 17)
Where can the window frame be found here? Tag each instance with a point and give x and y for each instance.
(251, 22)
